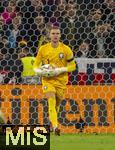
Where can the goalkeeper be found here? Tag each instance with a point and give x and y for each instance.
(57, 59)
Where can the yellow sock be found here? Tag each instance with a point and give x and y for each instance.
(52, 111)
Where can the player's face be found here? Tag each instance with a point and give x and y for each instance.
(55, 35)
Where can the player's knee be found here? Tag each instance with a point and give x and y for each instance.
(49, 95)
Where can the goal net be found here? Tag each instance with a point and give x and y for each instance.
(87, 26)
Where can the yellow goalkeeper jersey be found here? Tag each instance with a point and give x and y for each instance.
(59, 57)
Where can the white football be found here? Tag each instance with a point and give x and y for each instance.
(47, 66)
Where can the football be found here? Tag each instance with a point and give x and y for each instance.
(48, 66)
(48, 70)
(2, 118)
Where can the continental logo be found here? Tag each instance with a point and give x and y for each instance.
(25, 104)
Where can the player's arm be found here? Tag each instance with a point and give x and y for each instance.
(37, 66)
(71, 65)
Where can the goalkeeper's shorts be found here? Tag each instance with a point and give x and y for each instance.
(47, 87)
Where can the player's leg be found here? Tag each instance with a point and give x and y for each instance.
(59, 97)
(49, 93)
(52, 108)
(58, 101)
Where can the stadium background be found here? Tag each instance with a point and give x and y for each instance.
(88, 28)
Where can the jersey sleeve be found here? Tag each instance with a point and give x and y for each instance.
(71, 65)
(38, 59)
(69, 54)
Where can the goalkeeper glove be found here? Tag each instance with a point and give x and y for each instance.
(50, 72)
(58, 71)
(47, 73)
(38, 71)
(44, 72)
(53, 72)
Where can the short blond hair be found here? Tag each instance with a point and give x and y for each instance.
(54, 27)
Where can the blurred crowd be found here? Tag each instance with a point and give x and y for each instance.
(88, 27)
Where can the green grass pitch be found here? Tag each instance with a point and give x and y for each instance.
(83, 142)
